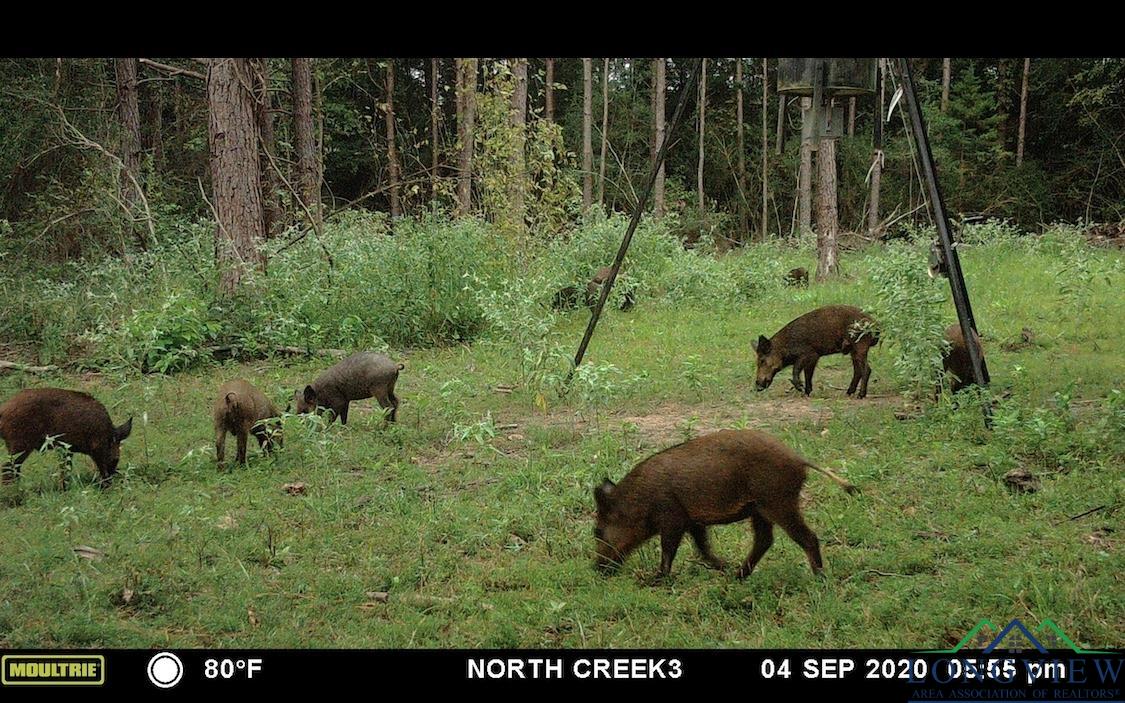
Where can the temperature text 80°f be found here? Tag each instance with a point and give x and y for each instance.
(228, 668)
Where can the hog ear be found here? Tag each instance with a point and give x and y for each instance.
(762, 346)
(603, 494)
(310, 395)
(121, 433)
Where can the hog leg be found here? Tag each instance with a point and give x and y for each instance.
(11, 470)
(394, 403)
(789, 519)
(858, 362)
(242, 440)
(703, 544)
(221, 447)
(861, 352)
(343, 413)
(387, 400)
(669, 543)
(810, 367)
(798, 367)
(763, 540)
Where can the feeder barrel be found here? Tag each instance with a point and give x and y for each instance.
(843, 77)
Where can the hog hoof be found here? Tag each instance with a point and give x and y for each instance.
(716, 564)
(742, 573)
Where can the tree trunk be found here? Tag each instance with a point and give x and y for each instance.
(827, 216)
(466, 114)
(605, 132)
(153, 134)
(946, 75)
(740, 145)
(1023, 112)
(273, 217)
(587, 145)
(435, 120)
(519, 125)
(1004, 101)
(877, 156)
(851, 117)
(702, 134)
(780, 123)
(765, 151)
(658, 88)
(392, 147)
(804, 174)
(304, 138)
(235, 170)
(128, 110)
(549, 90)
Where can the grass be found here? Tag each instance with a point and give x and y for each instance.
(474, 513)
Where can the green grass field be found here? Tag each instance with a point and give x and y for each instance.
(474, 514)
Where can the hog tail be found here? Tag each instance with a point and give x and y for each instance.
(849, 487)
(401, 367)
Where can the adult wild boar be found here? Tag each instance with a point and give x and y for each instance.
(594, 288)
(834, 329)
(797, 277)
(70, 417)
(361, 375)
(715, 479)
(243, 410)
(956, 361)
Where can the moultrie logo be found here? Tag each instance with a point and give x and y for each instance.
(1015, 636)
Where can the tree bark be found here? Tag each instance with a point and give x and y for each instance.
(804, 174)
(519, 126)
(466, 115)
(877, 155)
(128, 110)
(851, 117)
(435, 120)
(304, 137)
(946, 76)
(1023, 112)
(153, 134)
(587, 144)
(273, 217)
(392, 147)
(549, 91)
(780, 123)
(827, 214)
(605, 132)
(658, 77)
(235, 170)
(740, 145)
(765, 151)
(702, 134)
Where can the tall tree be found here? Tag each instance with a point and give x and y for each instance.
(605, 131)
(780, 123)
(702, 134)
(129, 112)
(658, 87)
(1023, 112)
(519, 127)
(271, 203)
(392, 147)
(765, 151)
(235, 170)
(466, 115)
(740, 143)
(851, 117)
(877, 156)
(827, 217)
(804, 173)
(587, 127)
(946, 74)
(304, 138)
(152, 135)
(549, 91)
(435, 120)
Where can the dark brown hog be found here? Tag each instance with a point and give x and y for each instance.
(594, 288)
(361, 375)
(565, 298)
(834, 329)
(797, 277)
(70, 417)
(243, 410)
(715, 479)
(956, 361)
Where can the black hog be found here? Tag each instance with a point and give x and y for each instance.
(243, 410)
(834, 329)
(70, 417)
(956, 361)
(715, 479)
(594, 288)
(797, 277)
(565, 298)
(361, 375)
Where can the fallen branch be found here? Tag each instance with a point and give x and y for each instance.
(172, 70)
(25, 367)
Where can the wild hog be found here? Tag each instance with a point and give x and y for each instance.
(958, 366)
(594, 288)
(715, 479)
(76, 419)
(565, 298)
(361, 375)
(834, 329)
(797, 277)
(242, 410)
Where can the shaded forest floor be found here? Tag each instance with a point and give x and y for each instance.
(469, 522)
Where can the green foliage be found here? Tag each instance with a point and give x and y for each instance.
(169, 338)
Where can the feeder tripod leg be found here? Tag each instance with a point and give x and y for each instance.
(941, 220)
